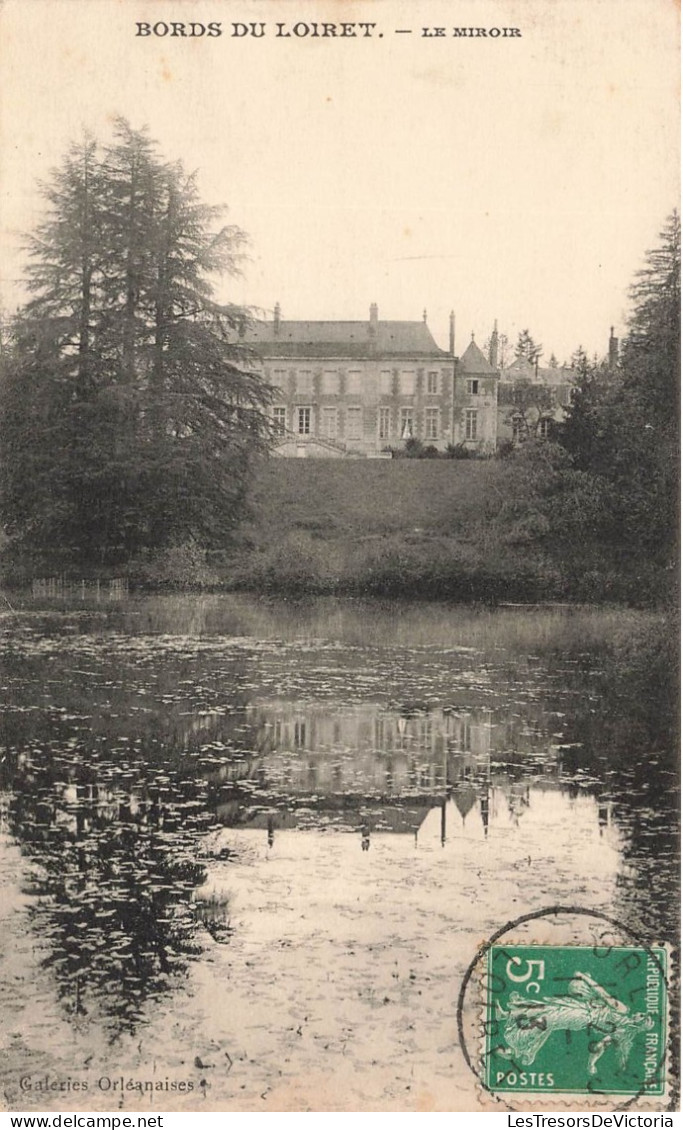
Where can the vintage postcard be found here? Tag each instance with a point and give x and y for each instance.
(339, 363)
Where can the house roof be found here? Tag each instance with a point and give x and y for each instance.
(344, 340)
(465, 798)
(473, 360)
(401, 819)
(522, 369)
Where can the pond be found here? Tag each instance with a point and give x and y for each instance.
(249, 846)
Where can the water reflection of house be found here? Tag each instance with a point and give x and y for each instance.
(609, 823)
(517, 798)
(367, 747)
(385, 767)
(361, 765)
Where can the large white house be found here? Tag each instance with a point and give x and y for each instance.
(364, 388)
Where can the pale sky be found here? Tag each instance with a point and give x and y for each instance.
(513, 178)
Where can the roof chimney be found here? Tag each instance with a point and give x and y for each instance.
(374, 313)
(276, 320)
(451, 333)
(493, 347)
(613, 354)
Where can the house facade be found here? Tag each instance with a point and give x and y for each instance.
(475, 408)
(532, 397)
(365, 388)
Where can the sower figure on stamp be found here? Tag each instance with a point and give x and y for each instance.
(528, 1024)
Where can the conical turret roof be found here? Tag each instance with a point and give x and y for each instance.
(473, 360)
(465, 799)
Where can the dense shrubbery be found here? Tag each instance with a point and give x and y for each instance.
(181, 567)
(393, 566)
(414, 448)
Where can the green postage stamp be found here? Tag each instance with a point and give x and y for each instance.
(576, 1019)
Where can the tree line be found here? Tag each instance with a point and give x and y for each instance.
(601, 497)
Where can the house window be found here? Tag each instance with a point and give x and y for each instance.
(431, 423)
(471, 423)
(406, 423)
(432, 383)
(304, 427)
(279, 421)
(518, 429)
(543, 428)
(353, 423)
(473, 387)
(279, 377)
(407, 382)
(304, 383)
(330, 382)
(353, 382)
(384, 423)
(385, 382)
(329, 422)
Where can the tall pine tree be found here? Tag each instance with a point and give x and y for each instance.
(622, 427)
(527, 349)
(129, 412)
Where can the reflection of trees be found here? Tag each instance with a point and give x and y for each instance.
(624, 730)
(114, 876)
(114, 838)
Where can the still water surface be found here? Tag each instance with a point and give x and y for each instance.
(246, 842)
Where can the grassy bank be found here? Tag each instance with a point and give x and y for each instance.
(466, 530)
(403, 528)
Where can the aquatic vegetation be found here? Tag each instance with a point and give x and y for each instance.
(130, 739)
